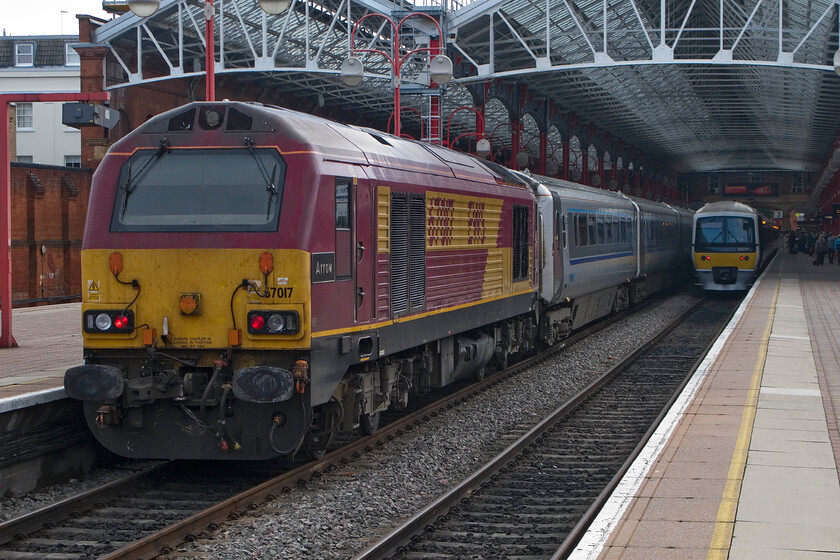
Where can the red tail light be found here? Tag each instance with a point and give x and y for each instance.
(121, 322)
(257, 322)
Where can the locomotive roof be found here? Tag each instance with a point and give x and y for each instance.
(727, 206)
(335, 141)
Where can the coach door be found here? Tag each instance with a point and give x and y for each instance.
(559, 242)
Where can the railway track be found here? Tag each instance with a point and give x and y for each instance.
(536, 498)
(153, 512)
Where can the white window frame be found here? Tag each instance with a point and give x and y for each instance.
(714, 186)
(19, 55)
(31, 115)
(71, 57)
(24, 159)
(73, 161)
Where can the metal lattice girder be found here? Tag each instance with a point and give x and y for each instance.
(700, 85)
(299, 50)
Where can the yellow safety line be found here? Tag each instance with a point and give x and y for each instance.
(725, 523)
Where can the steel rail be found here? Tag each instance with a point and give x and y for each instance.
(55, 513)
(164, 540)
(392, 543)
(582, 526)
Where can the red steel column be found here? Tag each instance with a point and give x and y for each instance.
(566, 174)
(541, 167)
(210, 51)
(6, 338)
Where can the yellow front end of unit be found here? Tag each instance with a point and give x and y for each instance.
(196, 298)
(742, 261)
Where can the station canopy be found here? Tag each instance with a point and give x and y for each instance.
(698, 85)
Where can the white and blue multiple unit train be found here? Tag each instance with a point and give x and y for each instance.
(730, 244)
(602, 251)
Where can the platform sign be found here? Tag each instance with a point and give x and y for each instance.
(751, 189)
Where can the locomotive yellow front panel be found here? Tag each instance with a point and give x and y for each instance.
(194, 298)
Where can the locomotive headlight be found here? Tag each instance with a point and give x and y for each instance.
(103, 321)
(213, 118)
(275, 323)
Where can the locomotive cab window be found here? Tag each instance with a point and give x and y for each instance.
(725, 233)
(343, 232)
(236, 189)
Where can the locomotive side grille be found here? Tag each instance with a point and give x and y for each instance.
(417, 252)
(399, 254)
(408, 253)
(520, 243)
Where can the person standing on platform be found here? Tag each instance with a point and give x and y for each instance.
(820, 249)
(792, 242)
(837, 250)
(831, 240)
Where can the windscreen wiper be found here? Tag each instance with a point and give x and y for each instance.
(269, 179)
(132, 182)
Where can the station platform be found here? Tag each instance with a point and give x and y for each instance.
(745, 464)
(49, 341)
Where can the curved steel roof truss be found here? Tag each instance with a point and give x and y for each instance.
(702, 85)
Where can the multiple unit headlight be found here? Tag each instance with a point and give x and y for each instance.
(273, 322)
(108, 321)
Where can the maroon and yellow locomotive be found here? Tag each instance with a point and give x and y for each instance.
(257, 280)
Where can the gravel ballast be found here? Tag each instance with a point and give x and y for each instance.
(343, 512)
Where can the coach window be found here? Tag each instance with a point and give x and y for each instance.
(593, 237)
(601, 236)
(343, 232)
(610, 230)
(562, 224)
(622, 230)
(580, 220)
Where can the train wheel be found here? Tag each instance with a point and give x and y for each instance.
(369, 423)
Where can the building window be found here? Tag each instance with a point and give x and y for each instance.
(24, 116)
(24, 159)
(796, 187)
(713, 185)
(72, 161)
(24, 54)
(71, 57)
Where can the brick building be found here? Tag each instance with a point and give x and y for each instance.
(49, 205)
